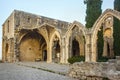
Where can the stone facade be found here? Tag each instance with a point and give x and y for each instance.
(30, 37)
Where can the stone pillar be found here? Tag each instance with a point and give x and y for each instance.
(16, 47)
(16, 54)
(62, 55)
(93, 47)
(88, 48)
(69, 47)
(111, 48)
(66, 49)
(105, 48)
(108, 41)
(3, 50)
(11, 50)
(49, 53)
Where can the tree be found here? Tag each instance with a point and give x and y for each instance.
(93, 11)
(116, 29)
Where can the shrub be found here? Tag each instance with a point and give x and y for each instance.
(76, 59)
(105, 78)
(103, 59)
(0, 61)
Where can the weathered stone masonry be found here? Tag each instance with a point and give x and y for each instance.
(30, 37)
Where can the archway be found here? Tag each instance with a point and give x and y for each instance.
(56, 49)
(76, 31)
(99, 22)
(6, 52)
(44, 52)
(32, 47)
(75, 48)
(76, 43)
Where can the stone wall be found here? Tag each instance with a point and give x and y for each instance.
(96, 70)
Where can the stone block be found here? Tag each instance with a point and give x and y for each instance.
(118, 57)
(118, 68)
(118, 62)
(112, 60)
(88, 78)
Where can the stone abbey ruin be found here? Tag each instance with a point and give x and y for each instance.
(30, 37)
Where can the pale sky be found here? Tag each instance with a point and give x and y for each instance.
(66, 10)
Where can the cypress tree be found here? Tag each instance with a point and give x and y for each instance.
(93, 11)
(116, 29)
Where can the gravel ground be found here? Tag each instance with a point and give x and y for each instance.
(11, 71)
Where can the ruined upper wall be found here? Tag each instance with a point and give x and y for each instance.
(8, 27)
(26, 20)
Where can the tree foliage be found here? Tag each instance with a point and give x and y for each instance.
(93, 11)
(116, 29)
(100, 42)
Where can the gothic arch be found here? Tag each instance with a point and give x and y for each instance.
(72, 25)
(34, 41)
(68, 34)
(96, 27)
(55, 34)
(46, 30)
(39, 29)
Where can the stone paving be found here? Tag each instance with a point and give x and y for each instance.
(11, 71)
(57, 68)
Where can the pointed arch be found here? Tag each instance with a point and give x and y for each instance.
(79, 25)
(55, 34)
(34, 50)
(80, 36)
(97, 25)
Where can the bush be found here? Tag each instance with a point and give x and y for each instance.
(0, 61)
(103, 59)
(105, 78)
(76, 59)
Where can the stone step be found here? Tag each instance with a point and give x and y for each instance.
(118, 67)
(112, 60)
(118, 57)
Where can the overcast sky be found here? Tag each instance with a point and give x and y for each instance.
(67, 10)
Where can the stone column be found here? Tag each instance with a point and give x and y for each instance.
(49, 54)
(16, 47)
(62, 52)
(88, 48)
(66, 49)
(11, 50)
(3, 50)
(105, 48)
(111, 48)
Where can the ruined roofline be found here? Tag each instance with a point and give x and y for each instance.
(11, 14)
(41, 16)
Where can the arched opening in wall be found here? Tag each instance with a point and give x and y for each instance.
(108, 49)
(56, 50)
(44, 52)
(75, 48)
(6, 52)
(105, 41)
(33, 47)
